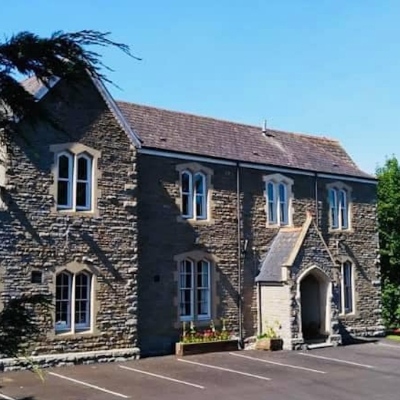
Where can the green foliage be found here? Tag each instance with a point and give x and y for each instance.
(391, 304)
(270, 331)
(389, 218)
(62, 55)
(192, 335)
(389, 238)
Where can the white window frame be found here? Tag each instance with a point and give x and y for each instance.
(193, 195)
(339, 216)
(73, 181)
(194, 316)
(343, 292)
(189, 194)
(276, 182)
(71, 327)
(69, 180)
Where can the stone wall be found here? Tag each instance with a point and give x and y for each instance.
(36, 237)
(163, 236)
(276, 311)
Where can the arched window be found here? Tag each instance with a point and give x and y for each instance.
(271, 200)
(83, 182)
(200, 195)
(194, 290)
(338, 208)
(277, 192)
(73, 302)
(194, 195)
(74, 181)
(63, 301)
(187, 194)
(65, 163)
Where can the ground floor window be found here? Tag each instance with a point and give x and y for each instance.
(194, 290)
(346, 292)
(73, 302)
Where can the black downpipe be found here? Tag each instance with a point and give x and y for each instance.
(239, 255)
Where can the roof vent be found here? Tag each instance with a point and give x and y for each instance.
(264, 129)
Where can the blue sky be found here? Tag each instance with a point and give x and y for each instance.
(325, 67)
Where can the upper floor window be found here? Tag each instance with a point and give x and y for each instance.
(76, 176)
(73, 302)
(339, 208)
(194, 195)
(74, 181)
(278, 193)
(346, 292)
(194, 290)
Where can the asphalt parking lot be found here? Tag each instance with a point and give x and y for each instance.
(363, 371)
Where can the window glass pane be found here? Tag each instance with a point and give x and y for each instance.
(82, 301)
(185, 204)
(202, 302)
(63, 167)
(271, 203)
(186, 183)
(200, 206)
(63, 302)
(185, 289)
(333, 208)
(83, 169)
(343, 209)
(63, 193)
(82, 198)
(203, 289)
(199, 184)
(348, 289)
(283, 205)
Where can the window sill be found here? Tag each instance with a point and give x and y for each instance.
(65, 335)
(351, 314)
(278, 226)
(192, 221)
(340, 230)
(78, 213)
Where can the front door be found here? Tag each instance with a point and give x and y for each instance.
(312, 309)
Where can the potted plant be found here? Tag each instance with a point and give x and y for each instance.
(209, 340)
(270, 339)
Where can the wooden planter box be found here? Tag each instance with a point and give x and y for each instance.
(269, 344)
(185, 349)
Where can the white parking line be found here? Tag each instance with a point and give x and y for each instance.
(89, 385)
(3, 396)
(279, 364)
(264, 378)
(336, 360)
(167, 378)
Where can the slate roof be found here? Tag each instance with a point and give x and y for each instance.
(192, 134)
(176, 131)
(278, 255)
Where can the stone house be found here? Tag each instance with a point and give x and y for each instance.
(136, 219)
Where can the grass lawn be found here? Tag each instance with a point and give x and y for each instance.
(393, 337)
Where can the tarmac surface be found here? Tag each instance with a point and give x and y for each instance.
(363, 371)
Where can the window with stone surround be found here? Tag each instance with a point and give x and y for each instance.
(73, 302)
(75, 177)
(339, 206)
(346, 288)
(194, 290)
(278, 195)
(195, 192)
(196, 280)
